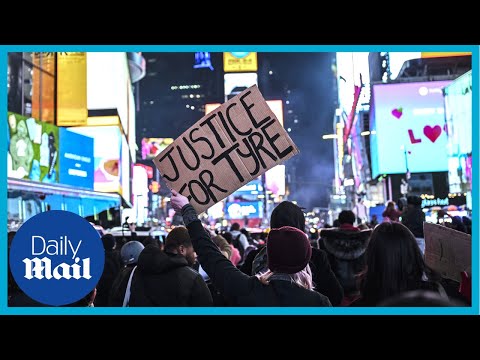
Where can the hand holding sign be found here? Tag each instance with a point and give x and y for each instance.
(224, 150)
(178, 201)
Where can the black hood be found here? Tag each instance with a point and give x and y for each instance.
(287, 214)
(152, 260)
(346, 245)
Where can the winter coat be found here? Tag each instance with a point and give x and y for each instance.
(346, 253)
(112, 267)
(324, 278)
(413, 219)
(240, 289)
(163, 279)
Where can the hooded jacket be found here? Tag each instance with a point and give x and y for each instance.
(326, 283)
(164, 279)
(238, 288)
(346, 252)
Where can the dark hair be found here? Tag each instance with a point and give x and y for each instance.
(235, 227)
(177, 237)
(336, 223)
(394, 263)
(109, 241)
(346, 217)
(228, 236)
(287, 214)
(150, 240)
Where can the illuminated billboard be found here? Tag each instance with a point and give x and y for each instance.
(410, 129)
(151, 147)
(275, 180)
(234, 84)
(240, 61)
(76, 159)
(107, 142)
(108, 80)
(458, 111)
(33, 148)
(240, 210)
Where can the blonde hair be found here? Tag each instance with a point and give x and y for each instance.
(303, 278)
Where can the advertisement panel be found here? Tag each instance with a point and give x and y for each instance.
(107, 147)
(76, 159)
(125, 165)
(240, 61)
(151, 147)
(234, 84)
(107, 83)
(275, 180)
(72, 88)
(458, 112)
(240, 210)
(32, 149)
(410, 127)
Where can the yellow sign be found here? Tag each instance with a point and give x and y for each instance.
(444, 54)
(239, 61)
(72, 89)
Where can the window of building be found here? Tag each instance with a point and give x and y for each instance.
(32, 84)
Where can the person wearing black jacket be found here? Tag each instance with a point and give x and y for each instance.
(288, 214)
(288, 282)
(166, 278)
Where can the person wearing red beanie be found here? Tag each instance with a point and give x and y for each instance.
(288, 282)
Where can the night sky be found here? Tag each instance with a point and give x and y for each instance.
(305, 80)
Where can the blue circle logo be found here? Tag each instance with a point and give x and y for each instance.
(57, 257)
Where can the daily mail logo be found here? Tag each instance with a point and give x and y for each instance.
(56, 258)
(42, 268)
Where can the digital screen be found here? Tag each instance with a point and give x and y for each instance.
(458, 111)
(33, 148)
(240, 210)
(76, 159)
(151, 147)
(410, 128)
(107, 147)
(235, 83)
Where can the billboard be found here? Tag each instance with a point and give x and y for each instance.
(410, 129)
(106, 150)
(125, 166)
(225, 149)
(234, 84)
(33, 148)
(275, 180)
(72, 89)
(240, 61)
(76, 159)
(240, 210)
(151, 147)
(458, 112)
(108, 84)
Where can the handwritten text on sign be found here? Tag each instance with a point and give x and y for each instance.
(225, 149)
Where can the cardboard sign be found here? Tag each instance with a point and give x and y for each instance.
(225, 149)
(447, 251)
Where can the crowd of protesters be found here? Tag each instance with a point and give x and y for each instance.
(350, 264)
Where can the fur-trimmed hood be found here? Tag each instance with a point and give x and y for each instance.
(346, 245)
